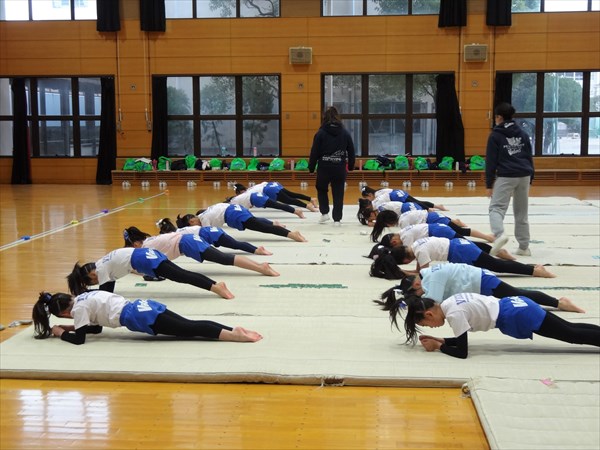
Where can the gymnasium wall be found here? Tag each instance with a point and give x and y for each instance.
(551, 41)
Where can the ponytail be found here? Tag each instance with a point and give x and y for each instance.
(385, 267)
(166, 226)
(365, 209)
(239, 188)
(366, 190)
(46, 305)
(415, 312)
(392, 300)
(384, 219)
(79, 279)
(132, 235)
(183, 221)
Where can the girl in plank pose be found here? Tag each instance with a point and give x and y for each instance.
(275, 191)
(397, 195)
(96, 309)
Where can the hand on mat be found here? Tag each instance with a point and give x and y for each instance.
(430, 343)
(58, 330)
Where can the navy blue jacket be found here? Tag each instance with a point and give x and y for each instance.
(332, 145)
(508, 153)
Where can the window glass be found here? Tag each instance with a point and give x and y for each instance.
(14, 10)
(594, 139)
(180, 140)
(179, 95)
(424, 88)
(426, 6)
(595, 91)
(387, 136)
(6, 137)
(562, 92)
(561, 136)
(178, 9)
(217, 95)
(217, 137)
(526, 6)
(5, 97)
(259, 8)
(528, 124)
(595, 5)
(562, 5)
(212, 8)
(262, 134)
(260, 94)
(54, 96)
(342, 7)
(344, 92)
(85, 9)
(354, 127)
(524, 88)
(56, 137)
(90, 96)
(424, 137)
(90, 137)
(51, 9)
(387, 94)
(387, 7)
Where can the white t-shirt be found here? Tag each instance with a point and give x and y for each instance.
(257, 187)
(214, 216)
(390, 206)
(192, 229)
(167, 243)
(444, 280)
(470, 312)
(413, 217)
(243, 199)
(412, 233)
(98, 308)
(115, 265)
(431, 249)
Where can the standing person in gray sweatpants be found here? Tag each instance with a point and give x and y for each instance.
(508, 173)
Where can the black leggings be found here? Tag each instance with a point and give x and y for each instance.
(422, 203)
(173, 272)
(217, 256)
(488, 262)
(574, 333)
(279, 205)
(506, 290)
(172, 324)
(265, 226)
(291, 198)
(460, 230)
(229, 242)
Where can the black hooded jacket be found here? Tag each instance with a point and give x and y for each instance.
(332, 145)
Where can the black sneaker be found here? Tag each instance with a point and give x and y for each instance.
(149, 278)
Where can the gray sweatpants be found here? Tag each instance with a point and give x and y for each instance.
(504, 189)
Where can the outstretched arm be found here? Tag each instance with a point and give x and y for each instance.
(77, 337)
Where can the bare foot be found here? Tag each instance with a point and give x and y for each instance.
(221, 289)
(540, 271)
(266, 269)
(505, 254)
(314, 202)
(565, 304)
(296, 236)
(239, 334)
(299, 213)
(311, 207)
(278, 224)
(262, 251)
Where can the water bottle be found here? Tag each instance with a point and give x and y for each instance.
(254, 152)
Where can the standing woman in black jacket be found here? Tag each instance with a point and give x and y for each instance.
(333, 151)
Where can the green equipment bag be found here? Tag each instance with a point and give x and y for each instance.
(215, 163)
(129, 164)
(162, 163)
(138, 164)
(477, 163)
(237, 164)
(302, 164)
(401, 163)
(371, 164)
(253, 164)
(277, 164)
(190, 162)
(420, 163)
(447, 163)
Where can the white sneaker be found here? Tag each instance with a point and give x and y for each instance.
(324, 218)
(337, 224)
(523, 252)
(498, 244)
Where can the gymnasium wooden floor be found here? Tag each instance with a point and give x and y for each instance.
(85, 415)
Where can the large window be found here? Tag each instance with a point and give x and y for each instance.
(554, 5)
(63, 116)
(224, 115)
(206, 9)
(559, 110)
(48, 9)
(385, 113)
(379, 7)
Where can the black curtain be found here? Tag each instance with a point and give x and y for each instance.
(108, 15)
(498, 13)
(21, 173)
(503, 89)
(159, 117)
(450, 137)
(152, 15)
(453, 13)
(107, 153)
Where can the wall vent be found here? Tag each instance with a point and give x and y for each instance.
(476, 53)
(300, 55)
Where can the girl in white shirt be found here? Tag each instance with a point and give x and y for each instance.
(96, 309)
(516, 316)
(249, 199)
(276, 191)
(397, 195)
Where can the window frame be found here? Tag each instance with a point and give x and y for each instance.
(365, 13)
(30, 13)
(543, 9)
(236, 16)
